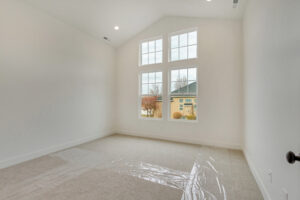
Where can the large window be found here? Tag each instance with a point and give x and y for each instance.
(183, 46)
(151, 52)
(183, 94)
(151, 95)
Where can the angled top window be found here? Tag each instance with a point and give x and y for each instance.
(183, 46)
(151, 52)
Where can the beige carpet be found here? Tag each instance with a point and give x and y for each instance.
(92, 172)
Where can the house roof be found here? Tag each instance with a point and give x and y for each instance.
(188, 90)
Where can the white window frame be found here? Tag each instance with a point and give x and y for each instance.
(179, 33)
(169, 95)
(140, 95)
(140, 51)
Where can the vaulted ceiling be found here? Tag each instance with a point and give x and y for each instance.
(98, 17)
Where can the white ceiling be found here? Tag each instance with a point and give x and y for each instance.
(98, 17)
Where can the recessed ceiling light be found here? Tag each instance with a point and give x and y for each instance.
(208, 0)
(116, 28)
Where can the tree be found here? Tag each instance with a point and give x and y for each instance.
(180, 83)
(149, 104)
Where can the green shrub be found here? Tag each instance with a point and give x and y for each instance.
(177, 115)
(191, 117)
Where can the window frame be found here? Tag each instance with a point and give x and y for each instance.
(141, 54)
(169, 94)
(179, 33)
(140, 95)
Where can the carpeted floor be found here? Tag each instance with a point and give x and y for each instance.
(99, 171)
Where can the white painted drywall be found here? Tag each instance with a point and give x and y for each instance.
(272, 94)
(56, 84)
(220, 84)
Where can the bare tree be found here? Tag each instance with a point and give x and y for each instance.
(180, 83)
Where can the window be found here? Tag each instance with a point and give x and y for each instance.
(151, 52)
(183, 46)
(183, 86)
(151, 95)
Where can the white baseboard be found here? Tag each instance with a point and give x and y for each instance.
(42, 152)
(257, 177)
(180, 139)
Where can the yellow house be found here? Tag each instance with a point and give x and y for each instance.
(185, 105)
(183, 102)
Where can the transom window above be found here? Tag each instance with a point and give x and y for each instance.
(183, 46)
(151, 52)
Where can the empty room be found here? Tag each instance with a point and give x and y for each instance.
(149, 100)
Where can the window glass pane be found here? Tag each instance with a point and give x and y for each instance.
(144, 89)
(183, 94)
(183, 40)
(193, 51)
(192, 87)
(158, 77)
(151, 58)
(144, 77)
(192, 74)
(158, 57)
(158, 45)
(152, 46)
(183, 75)
(174, 41)
(144, 47)
(174, 75)
(151, 99)
(153, 89)
(174, 87)
(159, 89)
(144, 59)
(174, 54)
(183, 53)
(193, 38)
(151, 107)
(183, 111)
(152, 77)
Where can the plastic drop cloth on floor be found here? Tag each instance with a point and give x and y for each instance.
(203, 182)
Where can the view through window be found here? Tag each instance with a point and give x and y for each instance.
(183, 94)
(183, 46)
(151, 52)
(151, 95)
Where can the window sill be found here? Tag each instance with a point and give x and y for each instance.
(183, 120)
(151, 119)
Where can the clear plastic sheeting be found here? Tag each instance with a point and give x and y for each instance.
(204, 182)
(153, 173)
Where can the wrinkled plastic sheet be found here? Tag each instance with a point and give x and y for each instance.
(204, 182)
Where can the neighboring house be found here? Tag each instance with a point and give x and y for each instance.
(183, 100)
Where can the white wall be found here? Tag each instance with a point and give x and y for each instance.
(272, 94)
(56, 84)
(220, 84)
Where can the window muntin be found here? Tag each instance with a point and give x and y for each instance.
(151, 95)
(183, 94)
(183, 46)
(151, 52)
